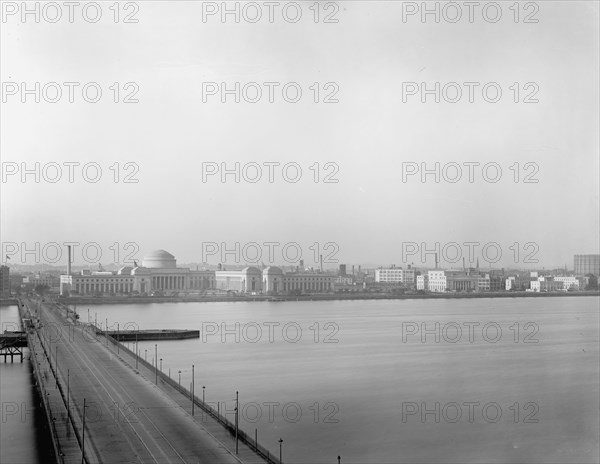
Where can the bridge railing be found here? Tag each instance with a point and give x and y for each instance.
(60, 384)
(243, 437)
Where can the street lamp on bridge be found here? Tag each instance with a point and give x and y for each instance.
(280, 450)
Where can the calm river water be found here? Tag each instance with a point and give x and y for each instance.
(415, 381)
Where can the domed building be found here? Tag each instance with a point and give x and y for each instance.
(158, 275)
(159, 259)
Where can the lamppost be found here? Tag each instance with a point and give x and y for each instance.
(137, 354)
(83, 435)
(237, 403)
(118, 338)
(68, 391)
(179, 378)
(155, 363)
(193, 389)
(146, 355)
(280, 450)
(161, 364)
(56, 366)
(203, 388)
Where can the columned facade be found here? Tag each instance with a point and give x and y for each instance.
(158, 273)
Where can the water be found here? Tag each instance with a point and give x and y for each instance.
(24, 435)
(361, 389)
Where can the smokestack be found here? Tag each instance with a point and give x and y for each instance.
(436, 261)
(353, 269)
(321, 262)
(463, 263)
(69, 259)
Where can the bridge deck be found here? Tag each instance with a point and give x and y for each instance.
(128, 418)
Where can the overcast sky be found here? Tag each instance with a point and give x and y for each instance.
(368, 135)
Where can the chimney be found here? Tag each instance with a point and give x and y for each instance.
(69, 259)
(436, 261)
(353, 269)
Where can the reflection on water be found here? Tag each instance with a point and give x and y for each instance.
(24, 435)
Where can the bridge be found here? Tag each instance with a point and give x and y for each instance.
(105, 404)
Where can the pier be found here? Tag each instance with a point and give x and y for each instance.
(11, 344)
(149, 335)
(106, 404)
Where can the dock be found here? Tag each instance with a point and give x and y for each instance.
(11, 344)
(152, 334)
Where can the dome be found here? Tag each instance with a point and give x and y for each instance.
(159, 259)
(272, 270)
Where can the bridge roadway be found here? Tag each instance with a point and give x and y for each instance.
(129, 419)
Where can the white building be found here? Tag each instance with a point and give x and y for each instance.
(247, 280)
(569, 282)
(158, 272)
(437, 281)
(395, 274)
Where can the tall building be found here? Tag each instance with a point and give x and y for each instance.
(4, 281)
(587, 264)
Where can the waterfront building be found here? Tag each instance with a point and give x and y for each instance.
(276, 281)
(587, 264)
(497, 282)
(272, 279)
(52, 281)
(157, 274)
(343, 281)
(521, 282)
(308, 282)
(569, 282)
(395, 274)
(467, 281)
(423, 282)
(16, 281)
(247, 280)
(546, 284)
(437, 281)
(4, 281)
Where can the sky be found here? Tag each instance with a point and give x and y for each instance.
(359, 197)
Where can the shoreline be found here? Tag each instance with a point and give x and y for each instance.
(317, 297)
